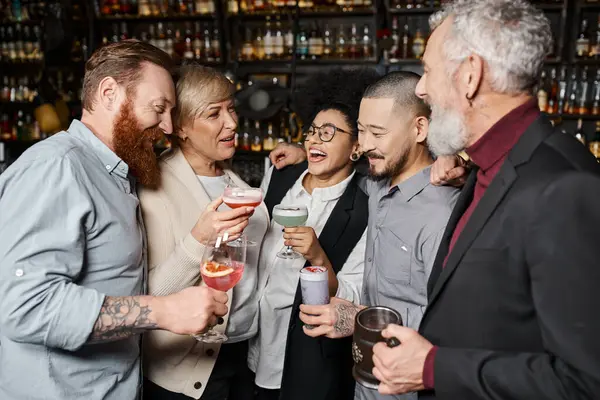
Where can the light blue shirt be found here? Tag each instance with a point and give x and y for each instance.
(70, 233)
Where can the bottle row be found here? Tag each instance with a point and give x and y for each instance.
(17, 10)
(587, 47)
(24, 89)
(21, 44)
(592, 144)
(405, 44)
(576, 95)
(261, 6)
(21, 127)
(409, 4)
(259, 136)
(180, 41)
(156, 8)
(313, 42)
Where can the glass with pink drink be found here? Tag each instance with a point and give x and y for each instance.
(222, 268)
(236, 197)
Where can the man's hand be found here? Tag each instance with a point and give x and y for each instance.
(287, 154)
(334, 320)
(449, 170)
(304, 240)
(400, 369)
(213, 223)
(191, 311)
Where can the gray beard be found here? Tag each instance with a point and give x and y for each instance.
(447, 132)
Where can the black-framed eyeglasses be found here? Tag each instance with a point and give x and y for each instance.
(326, 131)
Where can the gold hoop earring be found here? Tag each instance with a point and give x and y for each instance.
(469, 99)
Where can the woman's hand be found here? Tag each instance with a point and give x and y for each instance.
(304, 240)
(286, 154)
(213, 223)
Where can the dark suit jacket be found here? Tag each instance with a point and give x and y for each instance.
(321, 368)
(515, 311)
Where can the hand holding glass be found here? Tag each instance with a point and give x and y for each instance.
(236, 197)
(221, 269)
(289, 217)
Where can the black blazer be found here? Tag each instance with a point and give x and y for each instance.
(321, 368)
(516, 309)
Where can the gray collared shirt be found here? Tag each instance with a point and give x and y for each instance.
(70, 233)
(406, 225)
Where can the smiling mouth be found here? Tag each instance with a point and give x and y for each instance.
(228, 139)
(316, 155)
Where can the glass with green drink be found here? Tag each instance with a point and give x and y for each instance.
(289, 217)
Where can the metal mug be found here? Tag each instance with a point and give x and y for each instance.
(368, 325)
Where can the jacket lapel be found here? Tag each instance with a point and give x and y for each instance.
(182, 169)
(465, 198)
(535, 134)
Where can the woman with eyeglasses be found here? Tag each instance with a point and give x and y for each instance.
(287, 363)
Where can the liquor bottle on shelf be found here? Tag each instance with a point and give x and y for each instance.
(367, 43)
(216, 44)
(394, 52)
(209, 54)
(553, 95)
(595, 51)
(259, 47)
(328, 42)
(406, 43)
(245, 140)
(197, 43)
(247, 53)
(542, 93)
(596, 94)
(289, 42)
(188, 52)
(268, 40)
(583, 100)
(582, 45)
(232, 7)
(594, 144)
(256, 144)
(341, 45)
(278, 40)
(354, 49)
(419, 3)
(562, 89)
(579, 134)
(269, 141)
(418, 44)
(571, 105)
(315, 43)
(144, 9)
(302, 44)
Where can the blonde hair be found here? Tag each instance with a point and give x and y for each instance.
(197, 87)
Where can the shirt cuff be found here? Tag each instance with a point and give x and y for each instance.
(428, 368)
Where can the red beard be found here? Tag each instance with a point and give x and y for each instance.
(129, 143)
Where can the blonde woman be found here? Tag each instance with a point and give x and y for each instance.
(181, 215)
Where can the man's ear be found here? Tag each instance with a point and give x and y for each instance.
(422, 129)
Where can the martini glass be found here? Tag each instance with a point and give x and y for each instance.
(289, 217)
(236, 197)
(221, 269)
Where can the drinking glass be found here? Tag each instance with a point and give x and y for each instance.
(289, 217)
(236, 197)
(221, 269)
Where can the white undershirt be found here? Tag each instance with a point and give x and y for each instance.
(278, 280)
(242, 323)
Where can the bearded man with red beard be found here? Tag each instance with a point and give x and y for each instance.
(72, 242)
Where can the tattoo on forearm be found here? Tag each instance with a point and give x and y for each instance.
(120, 318)
(344, 319)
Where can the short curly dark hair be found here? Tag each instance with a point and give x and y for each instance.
(338, 89)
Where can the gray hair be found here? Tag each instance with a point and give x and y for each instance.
(512, 36)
